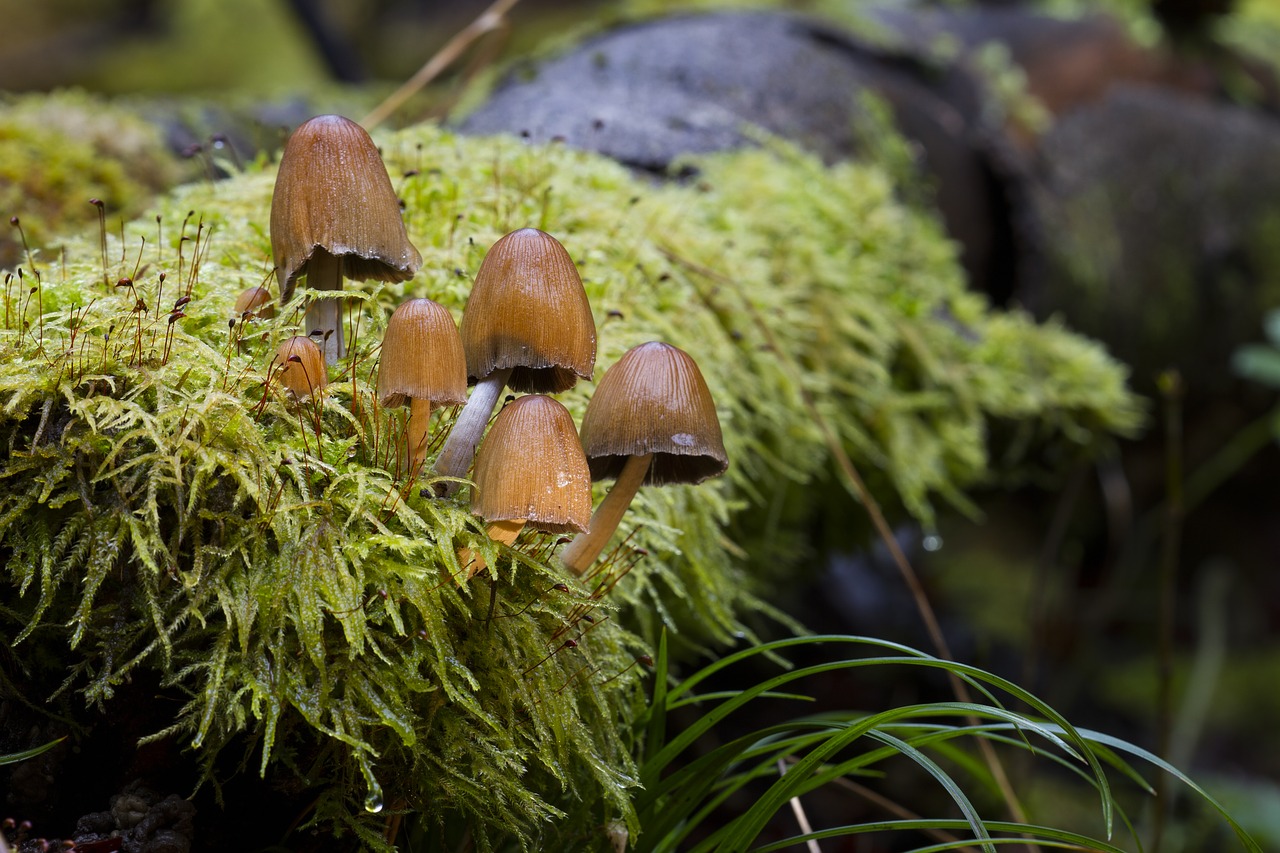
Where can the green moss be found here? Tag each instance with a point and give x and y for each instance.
(59, 151)
(164, 509)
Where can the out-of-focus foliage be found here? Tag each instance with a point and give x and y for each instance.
(56, 153)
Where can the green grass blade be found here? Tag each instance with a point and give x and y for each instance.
(15, 757)
(1045, 835)
(745, 829)
(1124, 746)
(775, 646)
(656, 725)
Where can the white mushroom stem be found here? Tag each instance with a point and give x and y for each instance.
(579, 554)
(416, 434)
(324, 272)
(460, 447)
(504, 531)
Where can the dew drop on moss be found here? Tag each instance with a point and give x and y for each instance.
(373, 799)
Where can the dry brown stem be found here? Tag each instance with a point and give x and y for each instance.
(490, 19)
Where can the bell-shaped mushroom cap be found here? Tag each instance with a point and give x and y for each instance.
(654, 400)
(531, 466)
(301, 366)
(421, 356)
(528, 311)
(256, 302)
(333, 195)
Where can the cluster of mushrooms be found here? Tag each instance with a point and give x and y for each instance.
(527, 327)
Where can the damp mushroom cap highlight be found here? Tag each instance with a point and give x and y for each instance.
(651, 421)
(255, 303)
(334, 214)
(532, 467)
(422, 366)
(301, 367)
(528, 311)
(654, 400)
(421, 356)
(527, 325)
(531, 471)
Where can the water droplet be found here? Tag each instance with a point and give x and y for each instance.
(372, 800)
(931, 542)
(683, 439)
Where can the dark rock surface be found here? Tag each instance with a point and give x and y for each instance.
(646, 94)
(1144, 214)
(142, 821)
(1164, 216)
(649, 93)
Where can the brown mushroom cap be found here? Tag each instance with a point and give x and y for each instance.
(306, 375)
(421, 356)
(528, 311)
(333, 195)
(256, 302)
(654, 400)
(531, 466)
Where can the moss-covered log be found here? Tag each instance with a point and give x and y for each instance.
(167, 511)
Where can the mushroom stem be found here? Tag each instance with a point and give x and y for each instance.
(325, 315)
(416, 434)
(504, 532)
(579, 554)
(460, 447)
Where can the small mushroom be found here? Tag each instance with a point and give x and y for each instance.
(255, 302)
(421, 365)
(531, 471)
(301, 367)
(651, 421)
(527, 325)
(335, 214)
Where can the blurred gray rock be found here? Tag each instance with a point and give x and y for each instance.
(648, 93)
(1162, 216)
(1147, 214)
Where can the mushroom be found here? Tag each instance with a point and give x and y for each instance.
(527, 325)
(302, 370)
(651, 421)
(334, 214)
(421, 365)
(531, 471)
(255, 302)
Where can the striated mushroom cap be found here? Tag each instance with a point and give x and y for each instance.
(308, 373)
(654, 400)
(531, 466)
(528, 311)
(421, 356)
(333, 195)
(255, 302)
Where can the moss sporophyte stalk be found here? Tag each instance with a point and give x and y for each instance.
(167, 507)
